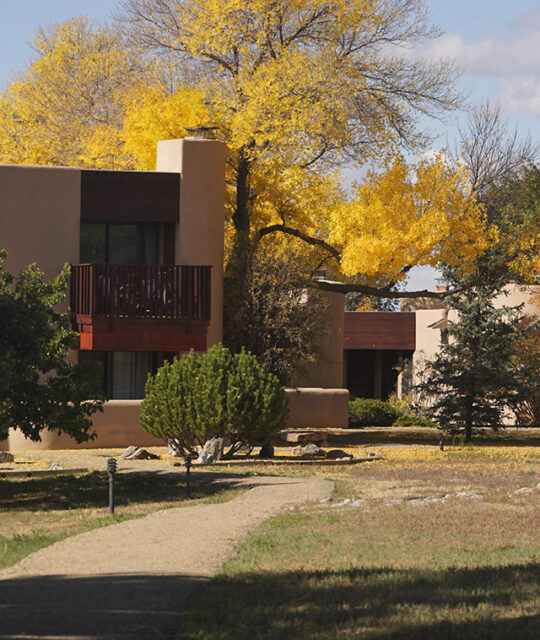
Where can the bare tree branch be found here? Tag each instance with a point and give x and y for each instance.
(316, 242)
(491, 149)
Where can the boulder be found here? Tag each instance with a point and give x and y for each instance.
(6, 456)
(312, 450)
(212, 451)
(523, 490)
(337, 454)
(137, 453)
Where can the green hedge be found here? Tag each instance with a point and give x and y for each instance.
(366, 412)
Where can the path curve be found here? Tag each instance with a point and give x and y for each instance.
(130, 580)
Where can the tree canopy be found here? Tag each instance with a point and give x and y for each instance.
(39, 388)
(299, 90)
(475, 377)
(68, 106)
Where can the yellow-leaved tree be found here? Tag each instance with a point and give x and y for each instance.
(68, 107)
(299, 89)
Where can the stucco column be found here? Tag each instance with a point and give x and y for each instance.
(199, 234)
(328, 372)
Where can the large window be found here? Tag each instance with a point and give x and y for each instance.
(124, 373)
(112, 243)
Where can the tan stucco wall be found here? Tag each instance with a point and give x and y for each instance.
(40, 216)
(328, 372)
(39, 222)
(117, 426)
(199, 240)
(318, 408)
(516, 295)
(427, 340)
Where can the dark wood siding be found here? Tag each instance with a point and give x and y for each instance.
(379, 330)
(129, 196)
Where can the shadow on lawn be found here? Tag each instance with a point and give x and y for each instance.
(90, 490)
(495, 603)
(131, 607)
(431, 437)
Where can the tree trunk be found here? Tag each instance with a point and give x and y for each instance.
(240, 258)
(468, 417)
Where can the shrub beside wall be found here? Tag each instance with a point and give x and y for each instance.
(367, 412)
(217, 394)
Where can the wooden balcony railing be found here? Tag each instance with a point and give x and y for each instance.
(140, 291)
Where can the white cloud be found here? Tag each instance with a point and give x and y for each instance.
(491, 56)
(528, 20)
(511, 58)
(521, 94)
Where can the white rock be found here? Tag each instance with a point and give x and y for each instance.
(325, 500)
(523, 490)
(342, 503)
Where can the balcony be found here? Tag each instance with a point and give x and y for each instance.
(140, 307)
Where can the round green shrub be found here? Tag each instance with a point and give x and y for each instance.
(217, 394)
(367, 412)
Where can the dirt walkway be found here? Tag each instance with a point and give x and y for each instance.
(130, 580)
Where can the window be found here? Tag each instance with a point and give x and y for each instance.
(112, 243)
(124, 372)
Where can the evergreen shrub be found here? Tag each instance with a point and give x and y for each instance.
(366, 412)
(216, 394)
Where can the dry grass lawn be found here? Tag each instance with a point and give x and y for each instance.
(396, 565)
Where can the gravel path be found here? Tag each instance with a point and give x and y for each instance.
(130, 580)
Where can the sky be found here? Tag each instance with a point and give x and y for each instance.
(495, 42)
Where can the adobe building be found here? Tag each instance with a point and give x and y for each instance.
(383, 351)
(146, 249)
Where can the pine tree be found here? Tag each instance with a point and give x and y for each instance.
(216, 394)
(474, 378)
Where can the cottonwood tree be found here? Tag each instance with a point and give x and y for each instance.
(298, 90)
(39, 388)
(282, 318)
(506, 180)
(67, 108)
(491, 149)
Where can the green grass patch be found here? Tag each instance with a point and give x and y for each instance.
(18, 546)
